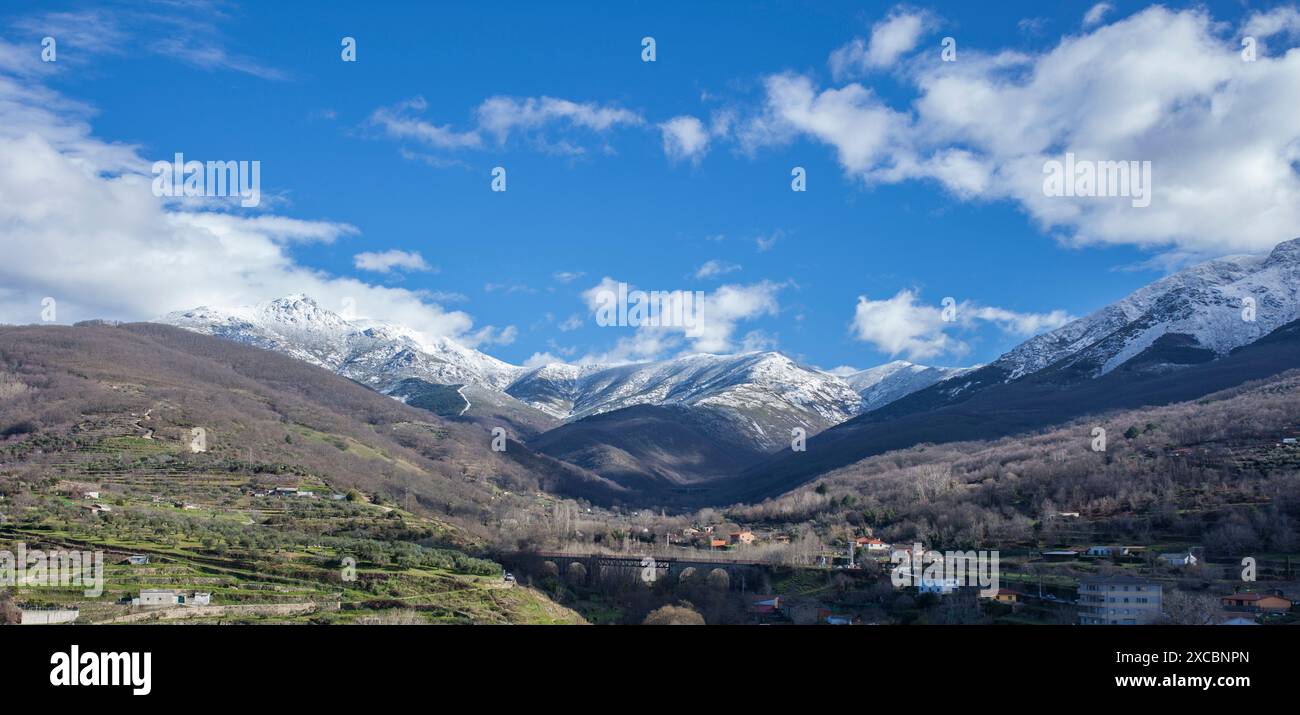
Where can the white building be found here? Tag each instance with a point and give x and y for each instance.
(1178, 560)
(157, 598)
(47, 616)
(1119, 601)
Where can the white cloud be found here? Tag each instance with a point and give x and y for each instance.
(1021, 324)
(214, 56)
(713, 332)
(500, 116)
(400, 121)
(79, 223)
(567, 276)
(1164, 86)
(573, 322)
(489, 335)
(1031, 25)
(767, 241)
(191, 37)
(863, 130)
(891, 38)
(643, 345)
(388, 261)
(714, 268)
(541, 359)
(685, 138)
(508, 288)
(1096, 14)
(1283, 20)
(902, 326)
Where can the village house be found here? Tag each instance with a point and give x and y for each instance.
(165, 597)
(47, 616)
(1004, 595)
(742, 537)
(1119, 601)
(717, 543)
(158, 598)
(872, 544)
(941, 586)
(1178, 559)
(90, 495)
(137, 559)
(1257, 602)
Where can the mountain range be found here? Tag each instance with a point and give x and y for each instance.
(707, 428)
(765, 395)
(1179, 338)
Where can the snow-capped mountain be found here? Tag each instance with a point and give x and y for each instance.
(766, 394)
(881, 385)
(1178, 339)
(762, 394)
(1196, 315)
(726, 380)
(375, 353)
(1207, 303)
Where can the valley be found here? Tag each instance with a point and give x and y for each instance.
(281, 464)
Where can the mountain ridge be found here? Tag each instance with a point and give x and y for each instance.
(766, 394)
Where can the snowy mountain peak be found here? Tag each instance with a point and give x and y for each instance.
(763, 394)
(1214, 306)
(881, 385)
(377, 353)
(1284, 252)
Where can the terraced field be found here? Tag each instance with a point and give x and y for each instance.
(211, 523)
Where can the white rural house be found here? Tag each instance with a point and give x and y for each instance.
(158, 598)
(1179, 559)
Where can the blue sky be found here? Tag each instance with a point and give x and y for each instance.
(393, 152)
